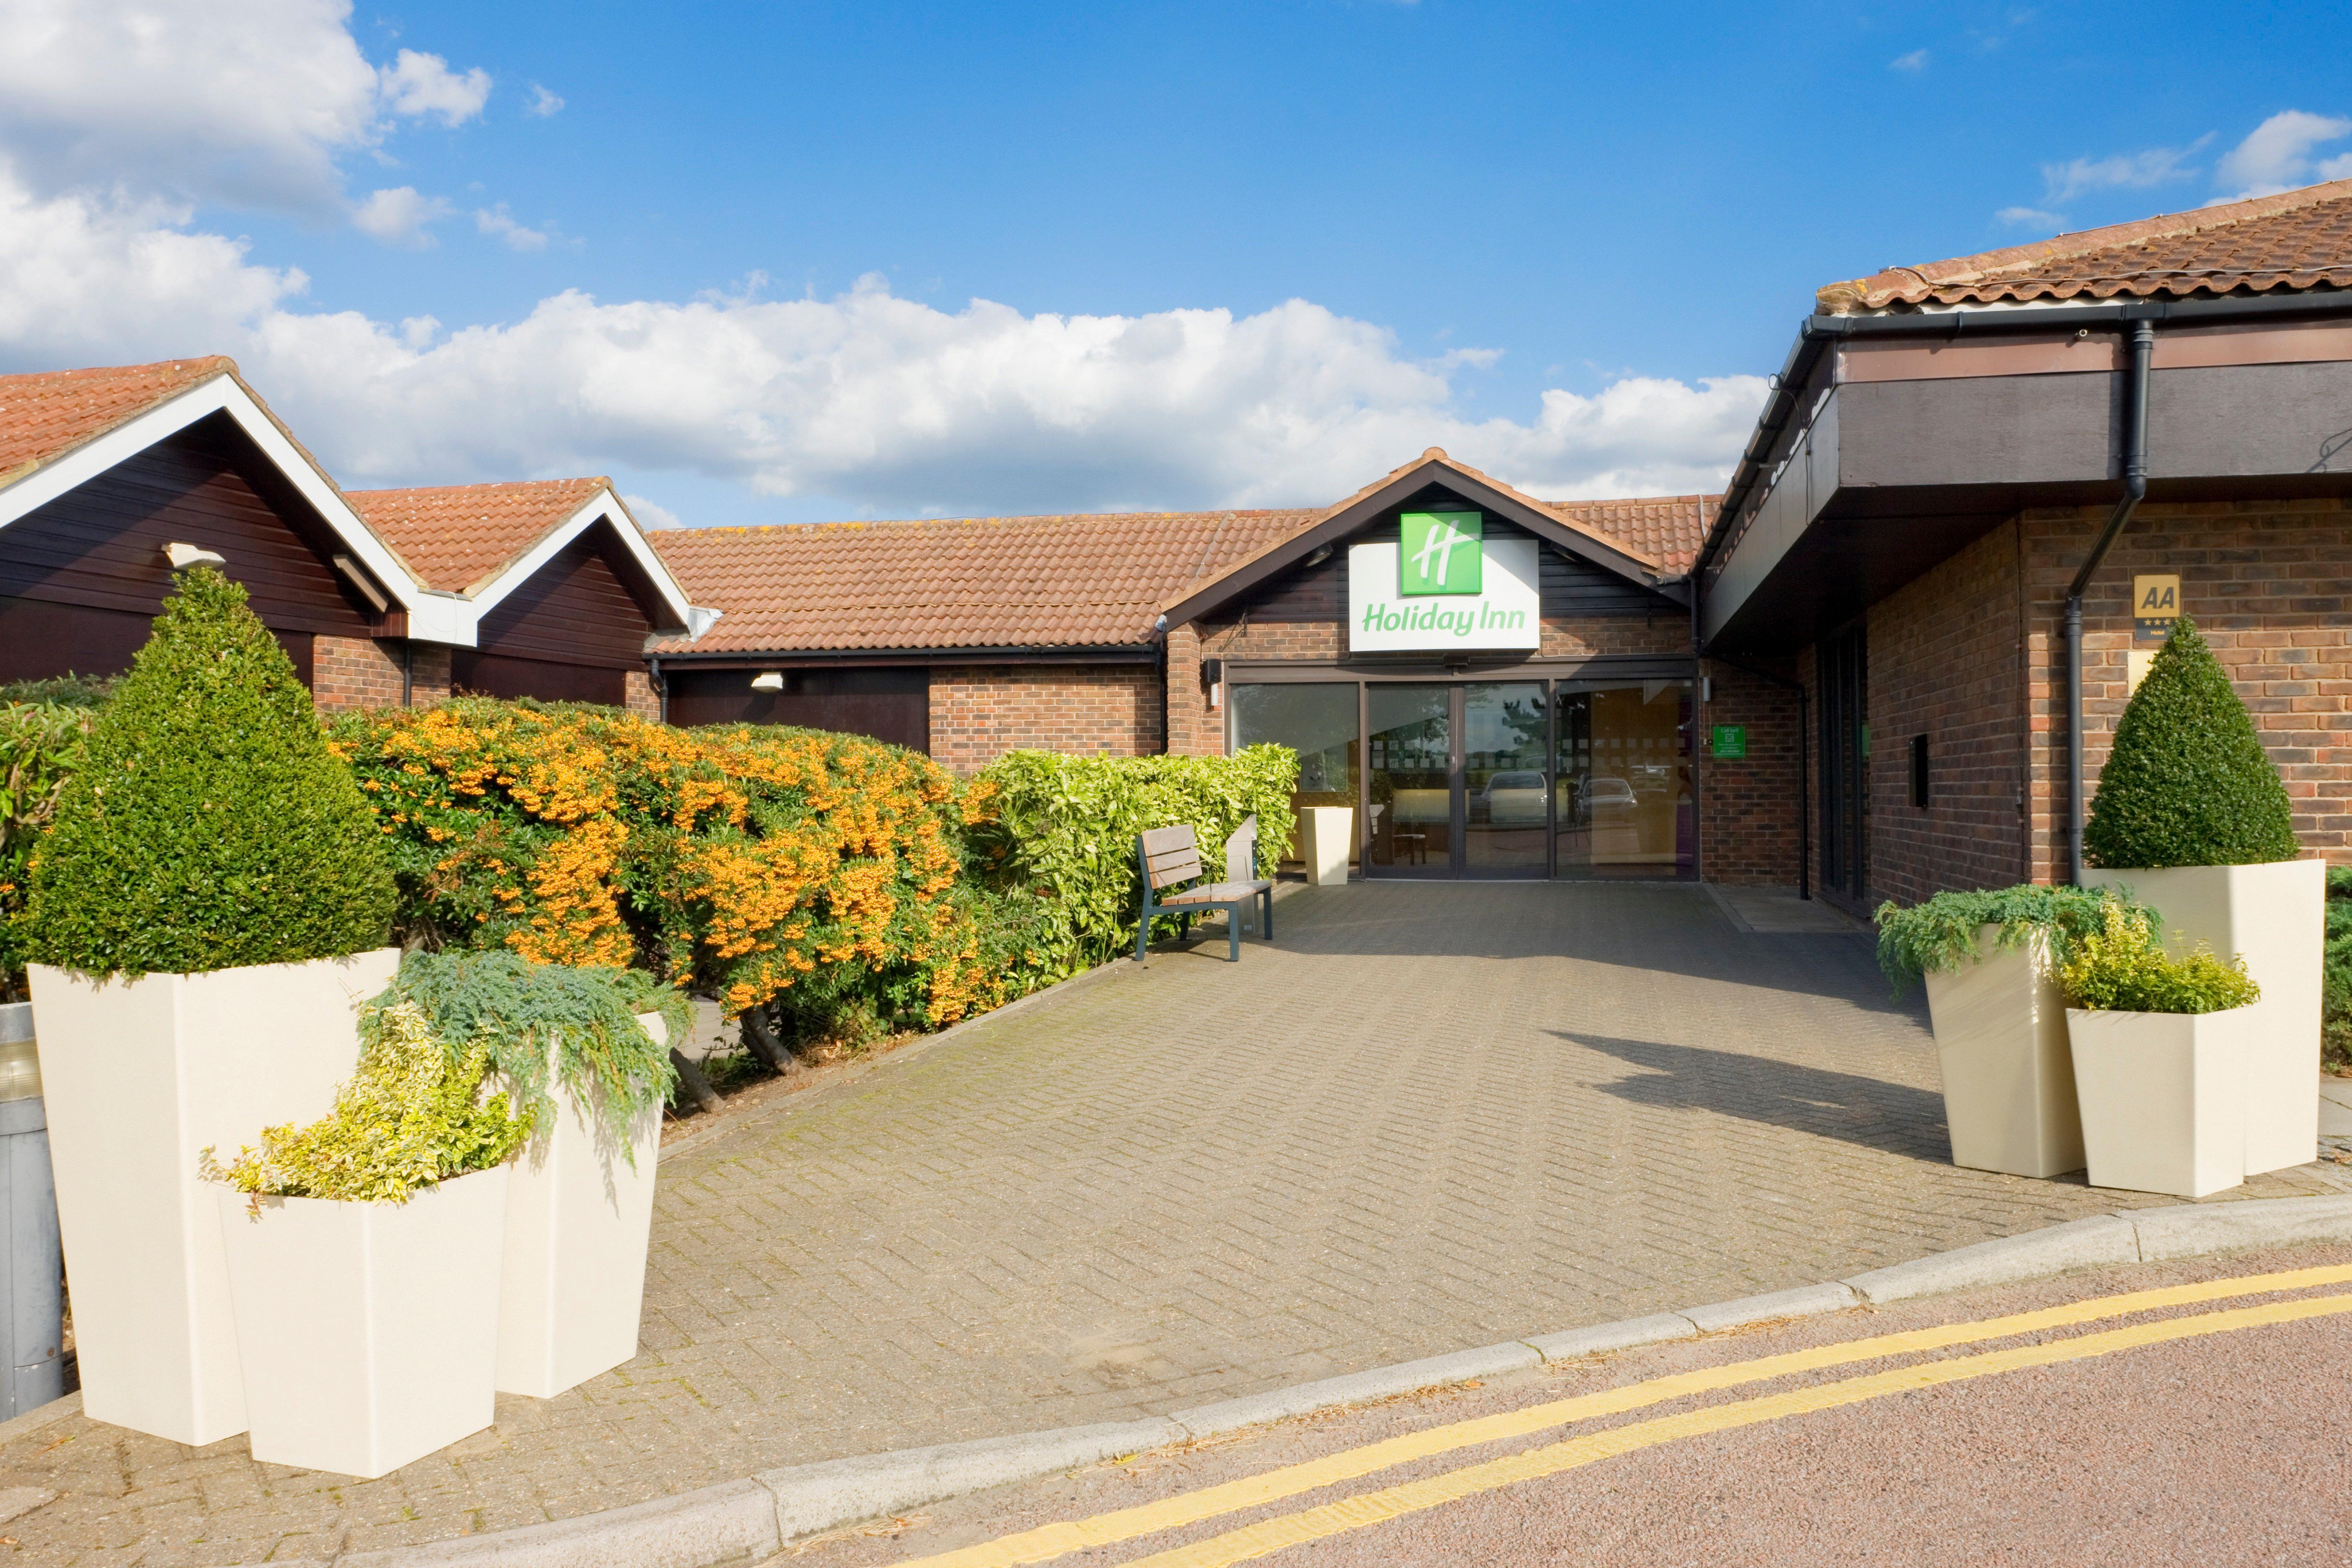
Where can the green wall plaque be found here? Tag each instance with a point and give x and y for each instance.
(1730, 740)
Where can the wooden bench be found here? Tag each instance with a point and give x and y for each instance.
(1169, 856)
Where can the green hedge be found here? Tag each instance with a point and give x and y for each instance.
(1067, 826)
(41, 745)
(2187, 782)
(208, 827)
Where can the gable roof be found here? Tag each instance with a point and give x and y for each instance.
(60, 429)
(2296, 240)
(1069, 582)
(1566, 526)
(483, 541)
(1669, 530)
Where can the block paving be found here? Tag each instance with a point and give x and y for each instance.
(1430, 1117)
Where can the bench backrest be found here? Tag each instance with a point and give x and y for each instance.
(1171, 855)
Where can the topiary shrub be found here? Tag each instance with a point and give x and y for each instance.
(2187, 782)
(208, 827)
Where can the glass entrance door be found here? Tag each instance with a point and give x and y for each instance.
(1409, 768)
(1505, 785)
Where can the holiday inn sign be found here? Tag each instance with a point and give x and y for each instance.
(1443, 584)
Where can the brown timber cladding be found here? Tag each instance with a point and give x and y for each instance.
(573, 631)
(82, 577)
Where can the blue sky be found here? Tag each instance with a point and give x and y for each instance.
(1563, 240)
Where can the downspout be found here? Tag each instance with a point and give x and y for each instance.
(661, 688)
(2143, 351)
(408, 672)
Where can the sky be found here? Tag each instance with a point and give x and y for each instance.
(784, 262)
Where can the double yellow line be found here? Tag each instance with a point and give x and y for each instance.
(1274, 1534)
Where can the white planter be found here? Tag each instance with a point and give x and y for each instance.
(2009, 1080)
(2275, 916)
(578, 1221)
(140, 1076)
(2163, 1097)
(1327, 835)
(369, 1331)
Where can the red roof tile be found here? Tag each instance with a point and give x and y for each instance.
(459, 537)
(2296, 240)
(998, 582)
(1669, 530)
(46, 414)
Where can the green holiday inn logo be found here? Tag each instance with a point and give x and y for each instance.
(1441, 553)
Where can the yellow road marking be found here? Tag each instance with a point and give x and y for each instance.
(1052, 1540)
(1273, 1535)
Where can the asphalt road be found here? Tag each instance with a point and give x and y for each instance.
(2195, 1412)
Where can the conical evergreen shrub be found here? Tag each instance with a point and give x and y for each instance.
(2187, 782)
(209, 827)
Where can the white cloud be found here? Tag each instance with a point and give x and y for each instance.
(542, 103)
(400, 216)
(651, 515)
(2131, 171)
(2277, 156)
(418, 85)
(1915, 61)
(2336, 168)
(2033, 217)
(887, 403)
(499, 222)
(186, 99)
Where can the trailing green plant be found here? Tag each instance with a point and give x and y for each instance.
(413, 1115)
(1066, 827)
(1939, 936)
(41, 746)
(2336, 975)
(2187, 781)
(208, 827)
(2122, 967)
(543, 1024)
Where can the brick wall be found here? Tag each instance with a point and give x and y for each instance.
(640, 697)
(1947, 662)
(428, 674)
(979, 713)
(1194, 730)
(1748, 822)
(2269, 583)
(354, 672)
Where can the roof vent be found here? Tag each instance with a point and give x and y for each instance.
(182, 556)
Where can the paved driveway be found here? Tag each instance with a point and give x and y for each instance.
(1433, 1117)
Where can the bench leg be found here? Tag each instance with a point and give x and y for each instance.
(1234, 914)
(1268, 897)
(1142, 933)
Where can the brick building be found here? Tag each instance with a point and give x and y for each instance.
(1955, 452)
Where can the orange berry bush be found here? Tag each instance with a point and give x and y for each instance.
(749, 863)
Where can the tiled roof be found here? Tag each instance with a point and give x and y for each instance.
(46, 414)
(2296, 240)
(1667, 529)
(459, 536)
(997, 582)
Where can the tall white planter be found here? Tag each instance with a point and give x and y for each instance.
(140, 1076)
(2275, 915)
(1327, 835)
(2009, 1078)
(2163, 1097)
(368, 1332)
(579, 1219)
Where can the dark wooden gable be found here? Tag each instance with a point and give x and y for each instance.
(82, 576)
(1319, 592)
(577, 609)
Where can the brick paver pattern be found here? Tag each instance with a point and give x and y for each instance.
(1431, 1117)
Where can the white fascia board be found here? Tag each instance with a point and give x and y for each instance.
(604, 506)
(219, 393)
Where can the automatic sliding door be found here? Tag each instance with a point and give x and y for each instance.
(1624, 804)
(1504, 780)
(1409, 767)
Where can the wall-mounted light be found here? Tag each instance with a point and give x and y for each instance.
(768, 680)
(182, 556)
(1319, 555)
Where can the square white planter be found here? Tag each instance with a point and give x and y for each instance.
(1327, 836)
(2009, 1078)
(2276, 917)
(140, 1076)
(578, 1222)
(369, 1331)
(2163, 1097)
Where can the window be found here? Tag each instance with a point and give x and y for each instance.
(1919, 795)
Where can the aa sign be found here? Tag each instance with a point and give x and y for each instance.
(2156, 604)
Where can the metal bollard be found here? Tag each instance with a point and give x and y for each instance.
(32, 1293)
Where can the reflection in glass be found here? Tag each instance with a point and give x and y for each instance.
(1503, 780)
(1318, 723)
(1410, 752)
(1623, 797)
